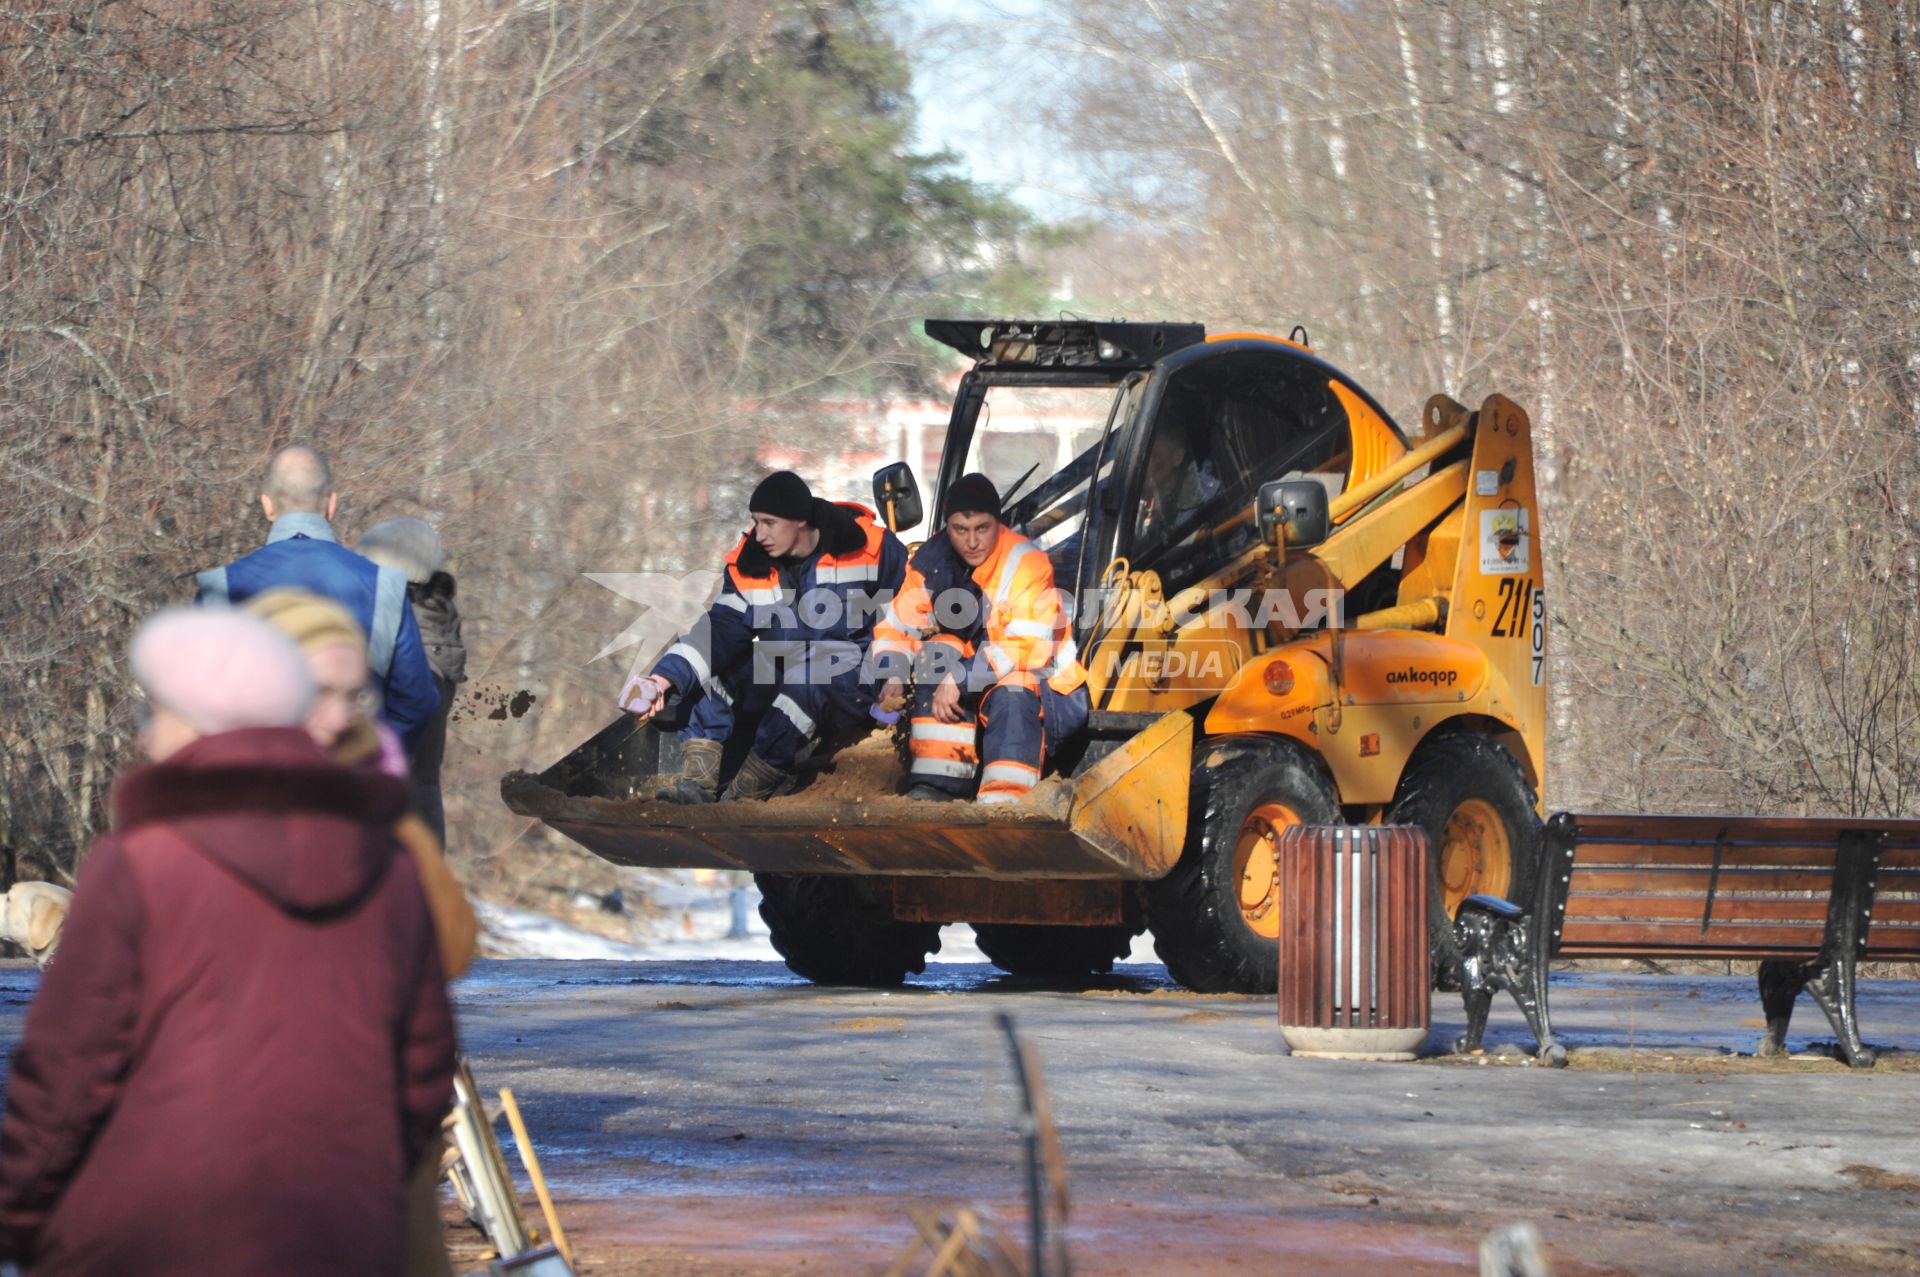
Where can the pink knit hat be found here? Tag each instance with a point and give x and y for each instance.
(221, 670)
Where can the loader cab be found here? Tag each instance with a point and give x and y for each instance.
(1047, 412)
(1147, 442)
(1224, 419)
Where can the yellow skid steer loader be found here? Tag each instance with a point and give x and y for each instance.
(1290, 611)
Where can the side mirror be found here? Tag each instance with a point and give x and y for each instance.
(897, 496)
(1293, 512)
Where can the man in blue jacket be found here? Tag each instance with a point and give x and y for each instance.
(302, 552)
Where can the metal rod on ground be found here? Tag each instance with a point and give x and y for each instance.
(1030, 1136)
(531, 1160)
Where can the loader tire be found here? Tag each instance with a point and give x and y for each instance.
(1474, 802)
(1054, 950)
(830, 930)
(1215, 917)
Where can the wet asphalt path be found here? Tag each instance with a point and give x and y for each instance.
(709, 1118)
(733, 1106)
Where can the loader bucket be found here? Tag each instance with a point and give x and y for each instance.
(1122, 817)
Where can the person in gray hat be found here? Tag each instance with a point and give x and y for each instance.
(412, 547)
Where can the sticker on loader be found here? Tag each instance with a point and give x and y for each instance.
(1503, 542)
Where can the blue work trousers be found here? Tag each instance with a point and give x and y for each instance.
(1016, 728)
(787, 706)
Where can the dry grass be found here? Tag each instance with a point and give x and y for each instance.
(1646, 1060)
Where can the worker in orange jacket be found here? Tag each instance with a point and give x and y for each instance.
(998, 684)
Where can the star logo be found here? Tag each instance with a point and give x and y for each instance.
(669, 603)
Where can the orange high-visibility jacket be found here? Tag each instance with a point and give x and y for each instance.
(1025, 632)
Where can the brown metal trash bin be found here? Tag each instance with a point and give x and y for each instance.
(1355, 972)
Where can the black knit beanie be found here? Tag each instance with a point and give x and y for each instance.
(784, 495)
(973, 494)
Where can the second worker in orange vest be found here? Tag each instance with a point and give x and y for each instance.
(998, 685)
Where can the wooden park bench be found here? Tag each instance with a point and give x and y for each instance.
(1808, 898)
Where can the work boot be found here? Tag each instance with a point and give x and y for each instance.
(699, 778)
(756, 779)
(931, 794)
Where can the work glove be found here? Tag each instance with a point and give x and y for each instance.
(641, 694)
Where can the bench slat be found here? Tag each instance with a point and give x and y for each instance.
(1730, 908)
(1746, 937)
(1656, 934)
(1596, 854)
(1656, 879)
(1629, 827)
(1736, 953)
(1579, 934)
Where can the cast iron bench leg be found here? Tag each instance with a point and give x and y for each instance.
(1478, 997)
(1848, 913)
(1829, 977)
(1831, 984)
(1832, 988)
(1529, 988)
(1472, 953)
(1497, 952)
(1780, 983)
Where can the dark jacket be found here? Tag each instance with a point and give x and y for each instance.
(245, 1041)
(826, 604)
(439, 619)
(438, 616)
(301, 552)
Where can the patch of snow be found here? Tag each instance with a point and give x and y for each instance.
(521, 933)
(695, 919)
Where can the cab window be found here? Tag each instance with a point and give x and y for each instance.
(1225, 426)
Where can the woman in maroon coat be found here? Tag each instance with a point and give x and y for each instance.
(245, 1040)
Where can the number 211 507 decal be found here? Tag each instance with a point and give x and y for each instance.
(1523, 611)
(1516, 594)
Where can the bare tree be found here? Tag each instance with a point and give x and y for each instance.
(538, 272)
(1683, 235)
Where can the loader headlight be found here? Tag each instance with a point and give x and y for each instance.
(1278, 677)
